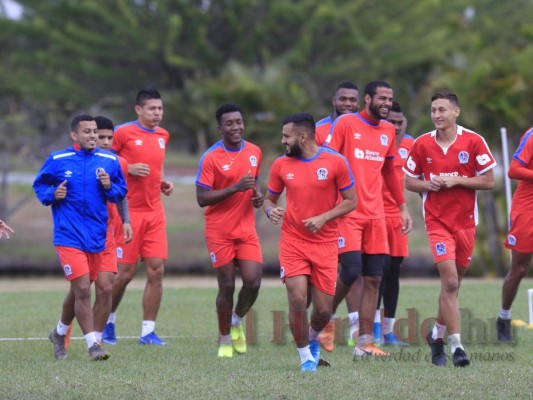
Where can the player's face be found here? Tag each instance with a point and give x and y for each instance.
(444, 114)
(105, 139)
(346, 101)
(380, 104)
(150, 113)
(86, 134)
(396, 119)
(291, 140)
(232, 128)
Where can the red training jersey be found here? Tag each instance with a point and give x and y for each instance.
(524, 191)
(312, 189)
(322, 128)
(402, 151)
(467, 156)
(219, 168)
(365, 144)
(142, 145)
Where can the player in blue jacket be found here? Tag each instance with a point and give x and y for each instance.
(78, 182)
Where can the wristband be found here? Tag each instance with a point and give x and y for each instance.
(267, 212)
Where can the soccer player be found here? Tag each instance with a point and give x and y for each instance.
(142, 143)
(389, 289)
(227, 184)
(520, 237)
(308, 242)
(5, 229)
(78, 182)
(447, 166)
(368, 142)
(345, 101)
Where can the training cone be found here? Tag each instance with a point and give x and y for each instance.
(530, 326)
(518, 322)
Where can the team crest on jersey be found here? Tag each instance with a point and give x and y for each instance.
(403, 152)
(384, 140)
(99, 171)
(463, 157)
(68, 174)
(120, 252)
(253, 161)
(67, 269)
(161, 143)
(511, 239)
(281, 272)
(138, 142)
(440, 249)
(341, 242)
(322, 174)
(213, 257)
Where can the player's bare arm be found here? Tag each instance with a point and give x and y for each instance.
(207, 197)
(138, 169)
(518, 171)
(271, 208)
(257, 198)
(418, 185)
(348, 203)
(484, 181)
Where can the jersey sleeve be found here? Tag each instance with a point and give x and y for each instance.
(484, 159)
(206, 172)
(412, 166)
(335, 140)
(45, 183)
(275, 183)
(344, 178)
(524, 151)
(118, 140)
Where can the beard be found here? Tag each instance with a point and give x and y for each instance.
(376, 111)
(294, 151)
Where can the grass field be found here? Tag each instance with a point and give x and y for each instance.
(188, 368)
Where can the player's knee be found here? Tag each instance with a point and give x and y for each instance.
(372, 282)
(450, 286)
(519, 270)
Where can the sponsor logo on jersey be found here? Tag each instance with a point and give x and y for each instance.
(322, 174)
(511, 240)
(368, 155)
(357, 136)
(67, 269)
(253, 161)
(226, 167)
(463, 157)
(440, 249)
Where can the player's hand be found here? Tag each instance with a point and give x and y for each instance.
(167, 188)
(407, 221)
(128, 232)
(257, 198)
(314, 224)
(104, 179)
(138, 169)
(435, 184)
(247, 182)
(5, 230)
(61, 191)
(276, 214)
(450, 181)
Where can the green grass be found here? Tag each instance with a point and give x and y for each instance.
(189, 368)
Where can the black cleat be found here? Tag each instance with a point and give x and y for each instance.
(438, 356)
(460, 359)
(504, 328)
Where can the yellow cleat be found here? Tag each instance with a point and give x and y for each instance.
(225, 351)
(238, 338)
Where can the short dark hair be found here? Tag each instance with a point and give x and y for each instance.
(146, 94)
(104, 123)
(347, 85)
(75, 123)
(396, 107)
(447, 95)
(303, 121)
(226, 108)
(373, 86)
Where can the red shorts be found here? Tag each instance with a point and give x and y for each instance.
(368, 236)
(223, 250)
(398, 243)
(76, 263)
(317, 260)
(520, 237)
(458, 246)
(109, 255)
(149, 237)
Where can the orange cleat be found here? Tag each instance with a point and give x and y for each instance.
(369, 350)
(327, 336)
(67, 335)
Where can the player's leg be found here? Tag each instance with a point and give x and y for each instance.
(153, 294)
(376, 327)
(102, 301)
(224, 304)
(353, 303)
(390, 303)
